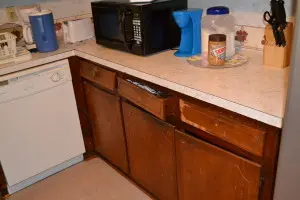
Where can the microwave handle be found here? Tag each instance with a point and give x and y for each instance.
(123, 23)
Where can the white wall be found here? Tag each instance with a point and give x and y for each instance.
(60, 8)
(236, 5)
(247, 12)
(67, 8)
(257, 6)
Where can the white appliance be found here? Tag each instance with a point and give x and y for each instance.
(24, 11)
(40, 129)
(78, 30)
(23, 17)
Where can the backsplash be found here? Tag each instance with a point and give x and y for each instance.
(248, 14)
(249, 37)
(60, 8)
(242, 5)
(68, 8)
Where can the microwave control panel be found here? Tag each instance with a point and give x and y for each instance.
(137, 35)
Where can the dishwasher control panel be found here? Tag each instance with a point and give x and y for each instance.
(58, 76)
(30, 83)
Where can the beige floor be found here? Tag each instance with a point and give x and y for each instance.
(89, 180)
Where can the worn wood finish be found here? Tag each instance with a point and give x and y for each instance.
(270, 148)
(269, 165)
(211, 120)
(207, 172)
(160, 107)
(99, 75)
(151, 152)
(226, 141)
(2, 179)
(75, 69)
(220, 143)
(105, 114)
(81, 104)
(85, 122)
(3, 186)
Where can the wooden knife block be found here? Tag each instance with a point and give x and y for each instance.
(277, 56)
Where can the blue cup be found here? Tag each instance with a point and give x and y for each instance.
(43, 31)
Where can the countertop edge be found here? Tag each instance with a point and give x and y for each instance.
(223, 103)
(37, 62)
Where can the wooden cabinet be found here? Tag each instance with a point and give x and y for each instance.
(226, 156)
(207, 172)
(98, 75)
(3, 188)
(81, 104)
(151, 152)
(161, 107)
(235, 133)
(105, 114)
(224, 126)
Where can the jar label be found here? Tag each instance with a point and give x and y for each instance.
(219, 52)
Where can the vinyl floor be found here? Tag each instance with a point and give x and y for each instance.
(89, 180)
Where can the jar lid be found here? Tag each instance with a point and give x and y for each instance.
(217, 38)
(218, 10)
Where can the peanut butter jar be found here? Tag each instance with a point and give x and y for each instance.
(217, 49)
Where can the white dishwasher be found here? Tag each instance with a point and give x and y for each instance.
(40, 131)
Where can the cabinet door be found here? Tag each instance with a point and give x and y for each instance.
(207, 172)
(105, 115)
(83, 116)
(151, 152)
(3, 188)
(81, 104)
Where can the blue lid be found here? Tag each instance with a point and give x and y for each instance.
(217, 10)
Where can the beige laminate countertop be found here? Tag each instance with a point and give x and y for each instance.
(253, 90)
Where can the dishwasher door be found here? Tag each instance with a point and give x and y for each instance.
(39, 124)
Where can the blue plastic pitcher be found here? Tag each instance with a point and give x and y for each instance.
(43, 31)
(189, 21)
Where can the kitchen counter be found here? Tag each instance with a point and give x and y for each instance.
(253, 90)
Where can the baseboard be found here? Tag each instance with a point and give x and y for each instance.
(43, 175)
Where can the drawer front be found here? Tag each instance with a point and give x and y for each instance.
(98, 75)
(215, 123)
(144, 99)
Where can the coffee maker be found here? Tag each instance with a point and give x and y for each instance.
(190, 23)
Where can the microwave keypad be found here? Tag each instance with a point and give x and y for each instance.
(137, 35)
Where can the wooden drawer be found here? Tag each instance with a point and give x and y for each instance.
(224, 126)
(161, 107)
(98, 75)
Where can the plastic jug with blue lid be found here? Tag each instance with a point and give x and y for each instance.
(219, 21)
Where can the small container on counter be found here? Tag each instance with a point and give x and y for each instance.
(219, 21)
(217, 49)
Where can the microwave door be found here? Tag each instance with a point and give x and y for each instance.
(108, 23)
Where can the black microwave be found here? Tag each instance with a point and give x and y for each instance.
(139, 28)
